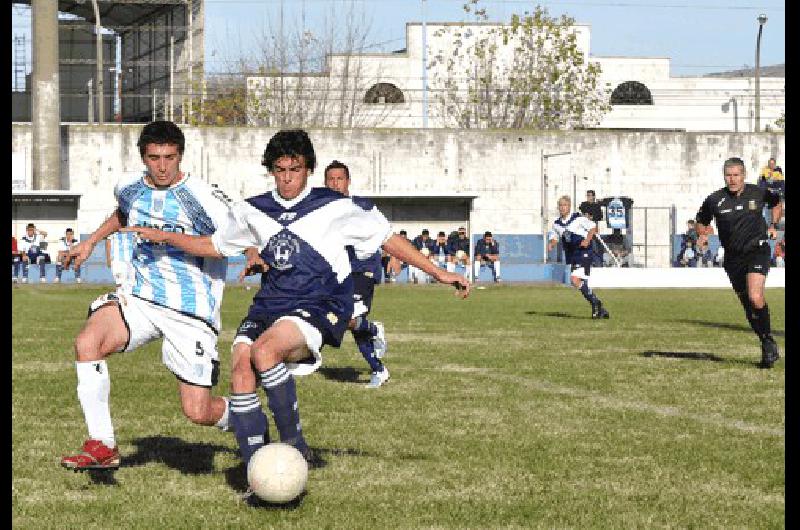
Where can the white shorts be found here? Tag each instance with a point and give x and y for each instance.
(190, 345)
(311, 334)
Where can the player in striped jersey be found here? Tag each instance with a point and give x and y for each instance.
(119, 257)
(174, 295)
(369, 336)
(306, 296)
(576, 233)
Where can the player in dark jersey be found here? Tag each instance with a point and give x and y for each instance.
(576, 233)
(306, 295)
(743, 232)
(369, 336)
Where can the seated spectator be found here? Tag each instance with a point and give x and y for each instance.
(780, 253)
(704, 256)
(616, 244)
(63, 259)
(16, 259)
(687, 256)
(487, 254)
(424, 244)
(441, 253)
(394, 266)
(32, 247)
(690, 234)
(459, 251)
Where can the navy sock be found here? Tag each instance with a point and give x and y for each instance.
(761, 322)
(367, 349)
(282, 401)
(364, 326)
(588, 294)
(59, 268)
(249, 423)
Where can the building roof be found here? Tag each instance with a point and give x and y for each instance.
(119, 16)
(776, 70)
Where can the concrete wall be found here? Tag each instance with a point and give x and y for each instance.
(504, 170)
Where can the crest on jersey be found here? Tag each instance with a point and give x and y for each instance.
(282, 246)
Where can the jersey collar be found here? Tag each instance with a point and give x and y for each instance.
(288, 203)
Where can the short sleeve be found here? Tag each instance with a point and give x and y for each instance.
(365, 230)
(234, 232)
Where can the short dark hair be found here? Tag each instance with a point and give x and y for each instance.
(403, 233)
(30, 225)
(590, 191)
(69, 230)
(293, 143)
(487, 234)
(425, 231)
(441, 234)
(734, 161)
(338, 165)
(161, 132)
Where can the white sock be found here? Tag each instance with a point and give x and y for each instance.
(477, 269)
(497, 269)
(94, 388)
(450, 267)
(222, 424)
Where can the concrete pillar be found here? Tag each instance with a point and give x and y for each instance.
(45, 92)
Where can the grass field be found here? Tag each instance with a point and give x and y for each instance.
(511, 409)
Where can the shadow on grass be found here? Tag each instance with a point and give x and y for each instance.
(190, 458)
(723, 325)
(557, 314)
(103, 477)
(343, 375)
(697, 356)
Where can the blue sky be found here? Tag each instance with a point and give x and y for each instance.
(699, 36)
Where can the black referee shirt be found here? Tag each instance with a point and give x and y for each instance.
(740, 221)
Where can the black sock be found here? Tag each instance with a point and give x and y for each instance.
(282, 401)
(249, 423)
(761, 322)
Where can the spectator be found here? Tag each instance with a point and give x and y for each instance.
(424, 244)
(780, 253)
(691, 232)
(616, 244)
(593, 211)
(719, 258)
(771, 177)
(704, 256)
(63, 259)
(32, 247)
(459, 251)
(393, 265)
(16, 259)
(687, 256)
(487, 253)
(441, 254)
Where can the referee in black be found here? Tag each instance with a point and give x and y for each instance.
(737, 209)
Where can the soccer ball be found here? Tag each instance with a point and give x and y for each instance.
(277, 473)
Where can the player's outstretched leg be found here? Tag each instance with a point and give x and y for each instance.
(364, 341)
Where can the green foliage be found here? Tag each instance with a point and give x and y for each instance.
(780, 123)
(526, 74)
(511, 409)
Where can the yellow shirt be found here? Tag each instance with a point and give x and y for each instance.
(771, 174)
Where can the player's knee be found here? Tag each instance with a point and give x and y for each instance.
(87, 346)
(757, 299)
(243, 378)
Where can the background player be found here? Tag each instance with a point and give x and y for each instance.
(737, 210)
(369, 336)
(63, 259)
(306, 299)
(31, 248)
(175, 296)
(576, 233)
(487, 253)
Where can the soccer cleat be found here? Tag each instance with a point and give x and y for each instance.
(78, 280)
(56, 280)
(94, 455)
(769, 352)
(314, 459)
(598, 311)
(379, 341)
(24, 280)
(14, 280)
(378, 378)
(42, 280)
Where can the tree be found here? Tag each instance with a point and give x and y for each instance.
(526, 74)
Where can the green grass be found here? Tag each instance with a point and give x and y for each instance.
(511, 409)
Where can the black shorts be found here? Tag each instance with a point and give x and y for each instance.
(330, 325)
(581, 260)
(363, 290)
(739, 265)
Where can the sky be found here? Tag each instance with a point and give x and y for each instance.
(699, 36)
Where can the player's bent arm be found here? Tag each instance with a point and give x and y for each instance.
(401, 248)
(84, 249)
(195, 245)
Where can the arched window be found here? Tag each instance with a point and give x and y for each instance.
(631, 93)
(384, 93)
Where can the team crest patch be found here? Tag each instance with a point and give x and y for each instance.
(751, 205)
(333, 319)
(282, 247)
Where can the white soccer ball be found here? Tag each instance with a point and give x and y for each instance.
(425, 251)
(277, 473)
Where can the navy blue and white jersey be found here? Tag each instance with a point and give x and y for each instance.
(482, 247)
(441, 252)
(571, 231)
(420, 243)
(373, 263)
(64, 244)
(122, 244)
(31, 244)
(459, 244)
(304, 242)
(165, 275)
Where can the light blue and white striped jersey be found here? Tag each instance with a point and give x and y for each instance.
(122, 246)
(165, 275)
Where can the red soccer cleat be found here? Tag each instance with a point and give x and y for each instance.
(94, 455)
